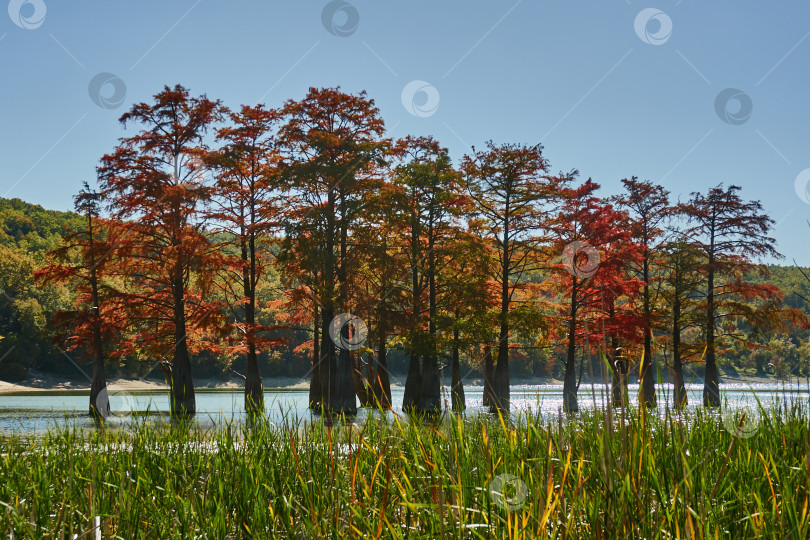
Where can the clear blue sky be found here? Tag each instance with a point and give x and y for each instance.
(603, 94)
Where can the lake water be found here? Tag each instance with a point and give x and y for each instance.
(35, 412)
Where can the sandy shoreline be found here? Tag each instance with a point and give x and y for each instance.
(49, 383)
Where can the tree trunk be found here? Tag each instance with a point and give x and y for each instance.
(648, 373)
(360, 382)
(99, 382)
(618, 366)
(430, 390)
(410, 401)
(679, 393)
(381, 382)
(489, 377)
(343, 397)
(648, 367)
(677, 369)
(328, 361)
(254, 392)
(343, 400)
(98, 411)
(183, 402)
(500, 385)
(617, 385)
(570, 403)
(711, 383)
(459, 403)
(316, 390)
(370, 386)
(620, 392)
(413, 383)
(430, 397)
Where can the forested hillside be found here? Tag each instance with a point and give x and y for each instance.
(28, 232)
(27, 342)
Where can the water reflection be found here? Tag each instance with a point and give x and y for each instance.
(35, 412)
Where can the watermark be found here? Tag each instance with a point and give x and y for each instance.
(653, 26)
(508, 491)
(801, 184)
(8, 352)
(356, 338)
(733, 106)
(340, 18)
(115, 403)
(420, 99)
(108, 91)
(27, 14)
(572, 259)
(742, 421)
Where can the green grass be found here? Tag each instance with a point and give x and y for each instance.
(595, 475)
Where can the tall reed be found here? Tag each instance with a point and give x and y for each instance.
(599, 474)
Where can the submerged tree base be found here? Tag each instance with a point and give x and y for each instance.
(333, 417)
